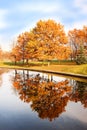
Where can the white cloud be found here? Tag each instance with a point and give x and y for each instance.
(40, 7)
(76, 24)
(30, 25)
(82, 5)
(79, 25)
(3, 22)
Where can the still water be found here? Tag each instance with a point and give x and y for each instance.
(36, 101)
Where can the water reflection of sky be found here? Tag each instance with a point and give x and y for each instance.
(16, 114)
(76, 110)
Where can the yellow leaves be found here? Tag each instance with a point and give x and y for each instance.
(16, 85)
(50, 35)
(48, 98)
(79, 36)
(24, 37)
(63, 52)
(42, 42)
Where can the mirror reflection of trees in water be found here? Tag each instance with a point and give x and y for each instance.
(79, 93)
(48, 97)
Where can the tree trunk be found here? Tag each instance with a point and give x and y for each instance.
(48, 63)
(15, 60)
(27, 61)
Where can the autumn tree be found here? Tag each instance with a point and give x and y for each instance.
(46, 41)
(78, 40)
(22, 43)
(4, 55)
(27, 46)
(51, 40)
(85, 37)
(15, 54)
(32, 47)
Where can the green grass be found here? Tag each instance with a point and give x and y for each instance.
(32, 63)
(76, 69)
(68, 67)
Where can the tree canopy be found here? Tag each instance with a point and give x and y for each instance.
(47, 40)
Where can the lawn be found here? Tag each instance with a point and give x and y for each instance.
(69, 67)
(77, 69)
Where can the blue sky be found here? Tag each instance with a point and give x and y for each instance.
(17, 16)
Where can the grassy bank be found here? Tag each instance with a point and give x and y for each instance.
(76, 69)
(68, 67)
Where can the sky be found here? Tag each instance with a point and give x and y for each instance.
(18, 16)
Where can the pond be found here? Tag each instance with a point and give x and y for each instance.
(38, 101)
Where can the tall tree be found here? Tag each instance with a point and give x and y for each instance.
(51, 39)
(22, 43)
(77, 38)
(15, 55)
(44, 42)
(32, 48)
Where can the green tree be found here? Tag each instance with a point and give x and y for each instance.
(81, 56)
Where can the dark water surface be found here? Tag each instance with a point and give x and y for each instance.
(37, 101)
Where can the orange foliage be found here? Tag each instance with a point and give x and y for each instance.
(44, 42)
(48, 98)
(51, 40)
(78, 38)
